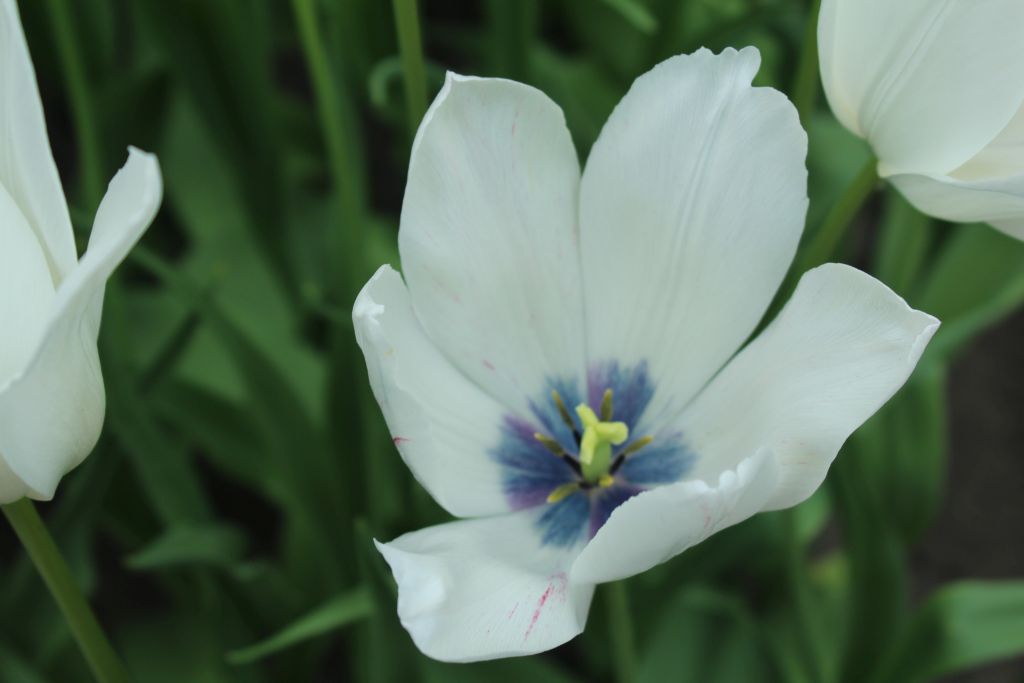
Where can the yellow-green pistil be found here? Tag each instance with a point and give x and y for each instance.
(600, 434)
(596, 445)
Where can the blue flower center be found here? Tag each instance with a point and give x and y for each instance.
(580, 465)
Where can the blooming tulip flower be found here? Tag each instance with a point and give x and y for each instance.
(556, 366)
(937, 88)
(51, 390)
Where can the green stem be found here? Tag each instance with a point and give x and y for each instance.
(347, 244)
(512, 26)
(82, 112)
(823, 245)
(799, 588)
(620, 631)
(805, 88)
(104, 662)
(347, 249)
(413, 69)
(904, 240)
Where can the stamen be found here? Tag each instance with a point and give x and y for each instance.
(563, 492)
(628, 451)
(564, 412)
(550, 444)
(636, 445)
(606, 406)
(606, 481)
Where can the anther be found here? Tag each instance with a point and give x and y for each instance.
(606, 406)
(564, 412)
(636, 445)
(563, 492)
(628, 451)
(550, 444)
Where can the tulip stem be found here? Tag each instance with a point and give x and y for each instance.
(620, 630)
(347, 239)
(824, 243)
(414, 71)
(805, 88)
(102, 660)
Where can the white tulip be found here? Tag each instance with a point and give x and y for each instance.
(937, 89)
(561, 364)
(51, 391)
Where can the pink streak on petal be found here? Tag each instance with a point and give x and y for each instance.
(536, 612)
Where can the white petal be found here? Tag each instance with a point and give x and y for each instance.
(999, 202)
(692, 204)
(485, 589)
(928, 82)
(657, 525)
(27, 169)
(51, 414)
(842, 346)
(443, 425)
(1001, 158)
(26, 289)
(26, 296)
(488, 236)
(988, 188)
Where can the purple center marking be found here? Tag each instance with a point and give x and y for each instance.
(531, 471)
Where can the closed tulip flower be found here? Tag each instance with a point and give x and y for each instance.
(561, 365)
(51, 389)
(937, 89)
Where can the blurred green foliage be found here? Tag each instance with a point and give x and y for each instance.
(223, 527)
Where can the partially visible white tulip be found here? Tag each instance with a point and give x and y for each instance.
(51, 390)
(937, 88)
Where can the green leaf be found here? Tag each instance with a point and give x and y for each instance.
(583, 91)
(165, 646)
(226, 434)
(704, 636)
(532, 669)
(636, 14)
(977, 279)
(339, 612)
(220, 51)
(906, 450)
(14, 668)
(878, 581)
(216, 545)
(224, 265)
(168, 479)
(962, 626)
(317, 515)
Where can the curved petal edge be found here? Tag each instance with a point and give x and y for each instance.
(486, 589)
(838, 351)
(442, 424)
